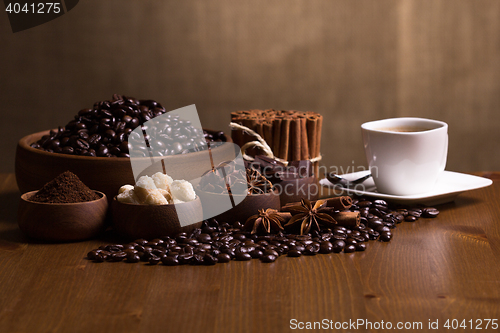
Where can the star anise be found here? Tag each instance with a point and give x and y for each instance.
(267, 220)
(257, 184)
(310, 216)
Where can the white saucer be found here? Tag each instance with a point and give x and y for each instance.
(448, 186)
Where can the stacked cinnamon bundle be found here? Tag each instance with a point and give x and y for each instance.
(292, 135)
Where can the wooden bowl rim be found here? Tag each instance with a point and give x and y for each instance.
(25, 196)
(148, 205)
(24, 144)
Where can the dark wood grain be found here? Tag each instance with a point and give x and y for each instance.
(435, 269)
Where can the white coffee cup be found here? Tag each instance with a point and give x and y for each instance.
(406, 156)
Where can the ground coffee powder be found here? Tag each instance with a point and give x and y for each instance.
(65, 188)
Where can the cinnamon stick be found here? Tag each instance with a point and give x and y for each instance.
(304, 145)
(237, 135)
(276, 137)
(239, 114)
(311, 134)
(318, 135)
(347, 219)
(268, 133)
(294, 139)
(339, 203)
(284, 138)
(250, 123)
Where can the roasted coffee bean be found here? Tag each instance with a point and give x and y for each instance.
(311, 250)
(92, 254)
(230, 252)
(360, 246)
(271, 252)
(170, 261)
(355, 233)
(294, 253)
(197, 259)
(223, 257)
(268, 258)
(208, 259)
(380, 202)
(239, 237)
(349, 248)
(154, 260)
(417, 212)
(374, 223)
(116, 256)
(410, 218)
(350, 241)
(383, 229)
(385, 237)
(100, 257)
(241, 249)
(283, 249)
(430, 212)
(243, 256)
(68, 150)
(338, 246)
(132, 258)
(326, 247)
(298, 247)
(204, 238)
(256, 254)
(184, 258)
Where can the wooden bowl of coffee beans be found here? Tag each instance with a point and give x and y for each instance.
(62, 222)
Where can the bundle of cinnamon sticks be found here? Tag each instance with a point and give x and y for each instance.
(292, 135)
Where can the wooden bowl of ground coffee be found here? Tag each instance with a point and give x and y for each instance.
(63, 210)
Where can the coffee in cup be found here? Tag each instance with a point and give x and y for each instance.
(406, 156)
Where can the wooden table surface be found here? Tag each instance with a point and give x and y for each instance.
(432, 270)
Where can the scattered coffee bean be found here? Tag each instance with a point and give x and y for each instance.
(326, 247)
(154, 260)
(360, 246)
(294, 253)
(208, 259)
(268, 258)
(410, 218)
(338, 245)
(349, 248)
(430, 212)
(170, 261)
(256, 254)
(224, 257)
(132, 258)
(385, 237)
(218, 242)
(243, 256)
